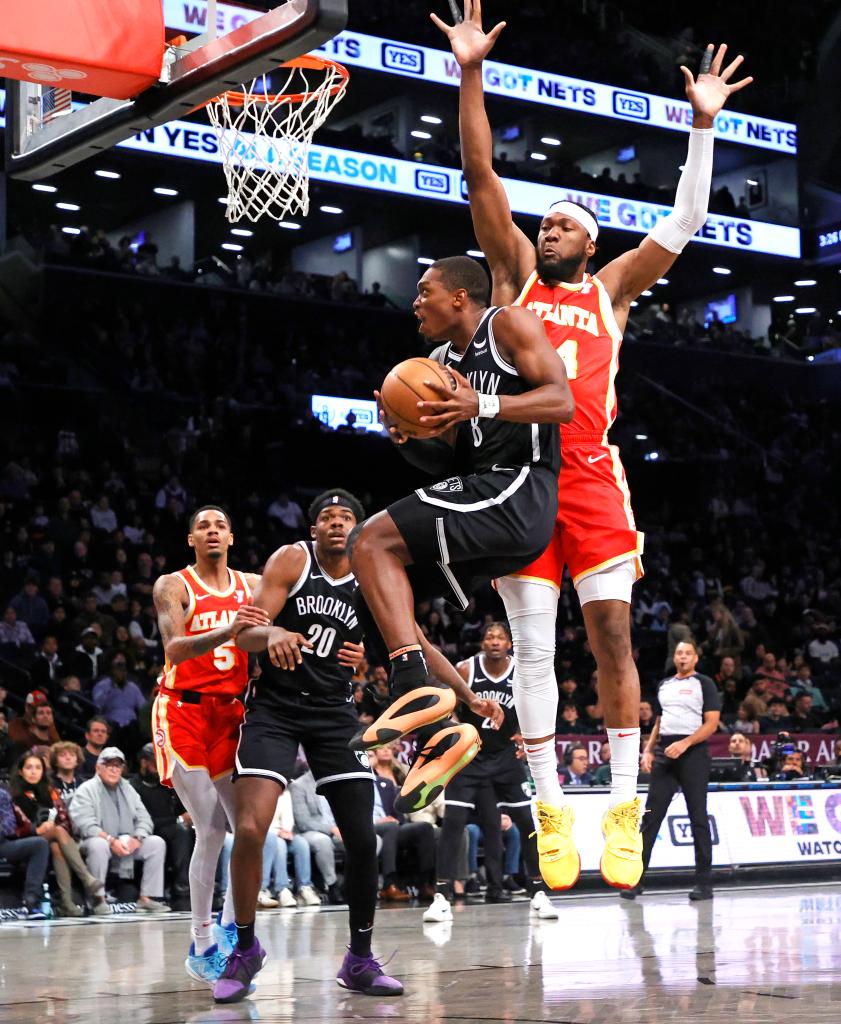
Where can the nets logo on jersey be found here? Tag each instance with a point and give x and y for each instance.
(362, 758)
(451, 485)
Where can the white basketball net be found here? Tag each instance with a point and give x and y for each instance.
(264, 140)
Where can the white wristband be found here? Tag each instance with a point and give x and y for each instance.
(488, 406)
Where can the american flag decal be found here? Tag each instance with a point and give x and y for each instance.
(54, 103)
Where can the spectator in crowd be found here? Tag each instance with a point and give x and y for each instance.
(43, 809)
(803, 717)
(4, 705)
(103, 516)
(118, 699)
(287, 513)
(576, 770)
(91, 617)
(775, 679)
(7, 748)
(66, 761)
(282, 840)
(741, 747)
(31, 608)
(724, 638)
(793, 768)
(19, 844)
(601, 776)
(747, 719)
(727, 671)
(47, 669)
(822, 648)
(14, 632)
(314, 821)
(803, 683)
(88, 657)
(647, 717)
(397, 834)
(116, 830)
(569, 724)
(170, 821)
(376, 696)
(758, 696)
(97, 734)
(72, 708)
(35, 728)
(777, 717)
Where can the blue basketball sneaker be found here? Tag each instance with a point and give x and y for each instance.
(225, 935)
(206, 966)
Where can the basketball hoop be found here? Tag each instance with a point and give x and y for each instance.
(264, 137)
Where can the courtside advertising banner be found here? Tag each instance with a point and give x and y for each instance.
(774, 825)
(374, 53)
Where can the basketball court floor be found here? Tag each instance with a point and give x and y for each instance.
(752, 956)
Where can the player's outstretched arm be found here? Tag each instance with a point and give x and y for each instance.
(522, 341)
(509, 252)
(630, 274)
(280, 574)
(168, 595)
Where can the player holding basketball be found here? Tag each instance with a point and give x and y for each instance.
(197, 713)
(492, 518)
(595, 535)
(303, 696)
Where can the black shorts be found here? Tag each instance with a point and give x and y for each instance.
(468, 530)
(271, 733)
(506, 776)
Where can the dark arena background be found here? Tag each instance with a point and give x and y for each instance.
(157, 356)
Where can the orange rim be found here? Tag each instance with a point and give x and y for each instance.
(309, 61)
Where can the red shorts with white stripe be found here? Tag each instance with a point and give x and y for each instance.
(595, 527)
(196, 736)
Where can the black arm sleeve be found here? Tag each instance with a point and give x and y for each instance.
(712, 698)
(434, 456)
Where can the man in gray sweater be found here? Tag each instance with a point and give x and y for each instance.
(315, 822)
(115, 829)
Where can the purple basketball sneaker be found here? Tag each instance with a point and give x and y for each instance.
(234, 982)
(365, 974)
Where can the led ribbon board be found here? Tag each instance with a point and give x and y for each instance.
(373, 53)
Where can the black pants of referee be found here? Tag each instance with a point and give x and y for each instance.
(690, 772)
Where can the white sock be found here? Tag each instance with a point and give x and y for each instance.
(624, 764)
(228, 916)
(543, 764)
(201, 937)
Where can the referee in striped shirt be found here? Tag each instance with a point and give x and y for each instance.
(677, 755)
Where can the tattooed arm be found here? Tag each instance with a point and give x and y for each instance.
(169, 596)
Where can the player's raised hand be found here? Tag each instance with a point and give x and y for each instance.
(351, 655)
(469, 43)
(285, 648)
(709, 92)
(396, 435)
(453, 407)
(248, 615)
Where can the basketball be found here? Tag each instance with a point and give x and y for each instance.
(404, 387)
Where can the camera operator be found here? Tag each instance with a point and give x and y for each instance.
(676, 754)
(793, 768)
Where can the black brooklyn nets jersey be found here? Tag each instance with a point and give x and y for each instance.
(484, 444)
(321, 609)
(494, 741)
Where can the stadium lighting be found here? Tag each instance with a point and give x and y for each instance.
(331, 209)
(72, 231)
(232, 247)
(538, 156)
(722, 270)
(107, 174)
(662, 280)
(166, 191)
(647, 292)
(223, 200)
(289, 225)
(641, 437)
(634, 302)
(44, 188)
(431, 119)
(73, 207)
(807, 282)
(806, 309)
(810, 359)
(418, 134)
(783, 298)
(549, 140)
(751, 181)
(652, 457)
(242, 232)
(477, 253)
(425, 260)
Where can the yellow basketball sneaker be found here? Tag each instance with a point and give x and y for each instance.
(560, 862)
(621, 863)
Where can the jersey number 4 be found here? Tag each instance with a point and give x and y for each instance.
(321, 639)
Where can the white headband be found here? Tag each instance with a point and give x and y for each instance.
(579, 215)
